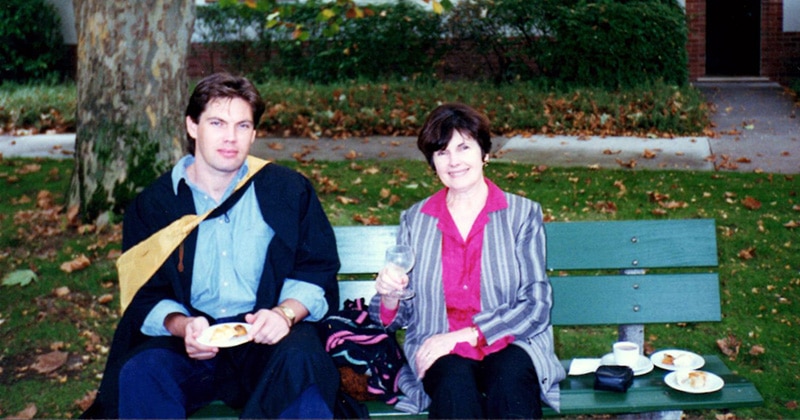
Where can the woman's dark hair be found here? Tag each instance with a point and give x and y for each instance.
(225, 86)
(447, 118)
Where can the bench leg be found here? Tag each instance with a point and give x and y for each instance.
(634, 333)
(655, 415)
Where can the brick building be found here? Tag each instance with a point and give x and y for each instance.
(744, 38)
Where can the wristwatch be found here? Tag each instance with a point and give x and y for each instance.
(288, 313)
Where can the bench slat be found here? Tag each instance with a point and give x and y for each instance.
(571, 245)
(645, 299)
(360, 252)
(631, 244)
(611, 299)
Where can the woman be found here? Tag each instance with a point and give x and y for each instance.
(479, 340)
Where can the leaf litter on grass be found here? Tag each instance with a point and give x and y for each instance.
(763, 320)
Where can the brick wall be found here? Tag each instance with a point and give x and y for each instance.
(780, 51)
(696, 45)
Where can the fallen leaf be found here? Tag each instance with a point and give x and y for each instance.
(19, 277)
(747, 254)
(751, 203)
(276, 146)
(629, 164)
(655, 196)
(757, 350)
(61, 291)
(346, 200)
(28, 169)
(672, 205)
(28, 413)
(648, 154)
(792, 405)
(49, 362)
(87, 400)
(791, 224)
(351, 155)
(105, 299)
(729, 345)
(367, 220)
(79, 263)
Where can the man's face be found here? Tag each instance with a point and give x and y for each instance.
(223, 135)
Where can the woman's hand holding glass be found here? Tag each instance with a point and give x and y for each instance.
(392, 281)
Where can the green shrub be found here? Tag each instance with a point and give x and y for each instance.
(398, 41)
(610, 44)
(506, 36)
(31, 44)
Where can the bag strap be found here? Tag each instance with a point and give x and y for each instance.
(139, 263)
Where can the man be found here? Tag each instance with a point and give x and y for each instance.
(266, 256)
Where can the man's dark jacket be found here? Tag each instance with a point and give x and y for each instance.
(303, 248)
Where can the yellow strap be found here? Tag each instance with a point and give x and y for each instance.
(138, 264)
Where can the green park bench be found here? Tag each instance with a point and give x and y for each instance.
(612, 283)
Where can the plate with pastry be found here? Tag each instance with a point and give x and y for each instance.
(227, 334)
(694, 381)
(674, 359)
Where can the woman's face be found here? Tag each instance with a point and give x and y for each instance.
(460, 164)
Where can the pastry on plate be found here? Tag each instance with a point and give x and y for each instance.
(226, 332)
(693, 378)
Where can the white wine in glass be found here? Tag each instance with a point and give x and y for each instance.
(400, 258)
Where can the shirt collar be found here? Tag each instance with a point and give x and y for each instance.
(179, 173)
(437, 204)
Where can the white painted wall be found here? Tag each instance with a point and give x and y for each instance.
(791, 15)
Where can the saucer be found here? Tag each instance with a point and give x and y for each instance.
(644, 364)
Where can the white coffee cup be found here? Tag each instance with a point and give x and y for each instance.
(626, 353)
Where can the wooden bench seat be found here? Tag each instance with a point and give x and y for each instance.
(623, 273)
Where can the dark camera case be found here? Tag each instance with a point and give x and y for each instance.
(613, 378)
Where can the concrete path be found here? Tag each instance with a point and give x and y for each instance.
(756, 124)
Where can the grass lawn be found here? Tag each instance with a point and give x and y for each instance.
(56, 329)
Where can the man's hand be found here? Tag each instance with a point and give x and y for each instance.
(268, 326)
(190, 328)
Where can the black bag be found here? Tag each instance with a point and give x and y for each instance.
(364, 347)
(613, 378)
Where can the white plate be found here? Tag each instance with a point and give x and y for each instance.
(713, 383)
(643, 366)
(686, 359)
(224, 335)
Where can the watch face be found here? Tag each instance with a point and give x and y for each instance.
(288, 312)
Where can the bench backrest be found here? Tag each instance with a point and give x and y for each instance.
(588, 262)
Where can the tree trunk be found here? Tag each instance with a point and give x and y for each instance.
(132, 91)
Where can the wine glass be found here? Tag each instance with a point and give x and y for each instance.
(400, 259)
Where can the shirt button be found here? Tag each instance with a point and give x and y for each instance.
(225, 284)
(224, 253)
(466, 287)
(223, 310)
